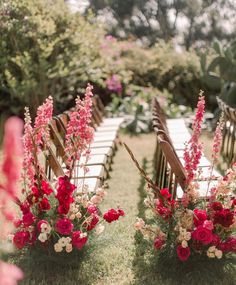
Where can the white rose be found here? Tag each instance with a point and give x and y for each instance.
(42, 237)
(184, 244)
(218, 253)
(58, 247)
(69, 248)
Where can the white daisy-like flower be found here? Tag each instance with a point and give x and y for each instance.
(69, 248)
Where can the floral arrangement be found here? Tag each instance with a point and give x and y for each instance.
(9, 177)
(59, 215)
(192, 228)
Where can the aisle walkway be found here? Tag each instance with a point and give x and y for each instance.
(115, 257)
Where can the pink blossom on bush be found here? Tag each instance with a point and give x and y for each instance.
(9, 274)
(113, 84)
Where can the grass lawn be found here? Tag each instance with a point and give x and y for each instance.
(118, 255)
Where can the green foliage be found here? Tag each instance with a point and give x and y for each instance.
(46, 50)
(222, 69)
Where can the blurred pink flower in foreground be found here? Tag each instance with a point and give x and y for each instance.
(9, 274)
(9, 178)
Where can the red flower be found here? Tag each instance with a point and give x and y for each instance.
(165, 212)
(158, 243)
(65, 186)
(183, 252)
(35, 191)
(203, 235)
(17, 223)
(215, 239)
(44, 205)
(25, 207)
(165, 193)
(199, 217)
(77, 241)
(28, 219)
(216, 206)
(121, 212)
(228, 245)
(20, 239)
(93, 223)
(64, 226)
(63, 209)
(46, 188)
(111, 215)
(224, 217)
(92, 209)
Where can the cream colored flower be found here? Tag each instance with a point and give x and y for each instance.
(99, 229)
(48, 229)
(58, 247)
(42, 237)
(184, 244)
(187, 219)
(218, 254)
(43, 227)
(78, 215)
(72, 217)
(187, 236)
(210, 254)
(96, 199)
(82, 235)
(69, 248)
(63, 241)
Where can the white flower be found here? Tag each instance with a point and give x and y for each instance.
(58, 247)
(68, 239)
(146, 202)
(72, 216)
(69, 248)
(210, 254)
(82, 235)
(187, 236)
(139, 224)
(212, 249)
(63, 241)
(43, 227)
(78, 215)
(42, 237)
(184, 244)
(96, 199)
(218, 253)
(99, 229)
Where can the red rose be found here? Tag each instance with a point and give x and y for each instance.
(77, 240)
(165, 212)
(64, 198)
(121, 212)
(215, 239)
(203, 235)
(17, 223)
(183, 252)
(64, 226)
(28, 219)
(64, 185)
(165, 193)
(20, 239)
(92, 209)
(224, 217)
(40, 224)
(199, 217)
(158, 243)
(35, 191)
(25, 207)
(111, 215)
(63, 209)
(46, 189)
(44, 205)
(216, 206)
(93, 223)
(228, 245)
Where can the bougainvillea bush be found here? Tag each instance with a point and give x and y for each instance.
(193, 236)
(59, 216)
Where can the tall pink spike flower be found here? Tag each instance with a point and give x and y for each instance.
(193, 149)
(28, 147)
(217, 140)
(79, 133)
(44, 115)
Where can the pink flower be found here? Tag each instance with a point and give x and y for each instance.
(217, 140)
(40, 223)
(77, 240)
(193, 149)
(113, 84)
(158, 243)
(183, 252)
(9, 274)
(64, 226)
(208, 225)
(20, 239)
(92, 209)
(202, 235)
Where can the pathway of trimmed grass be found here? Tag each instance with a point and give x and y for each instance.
(118, 255)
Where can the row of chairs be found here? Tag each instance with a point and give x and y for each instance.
(228, 148)
(168, 163)
(102, 149)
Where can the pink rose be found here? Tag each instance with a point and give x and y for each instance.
(93, 223)
(40, 224)
(92, 209)
(203, 235)
(64, 226)
(183, 252)
(77, 240)
(208, 225)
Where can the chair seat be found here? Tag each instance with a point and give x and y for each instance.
(91, 183)
(107, 138)
(110, 144)
(94, 171)
(113, 121)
